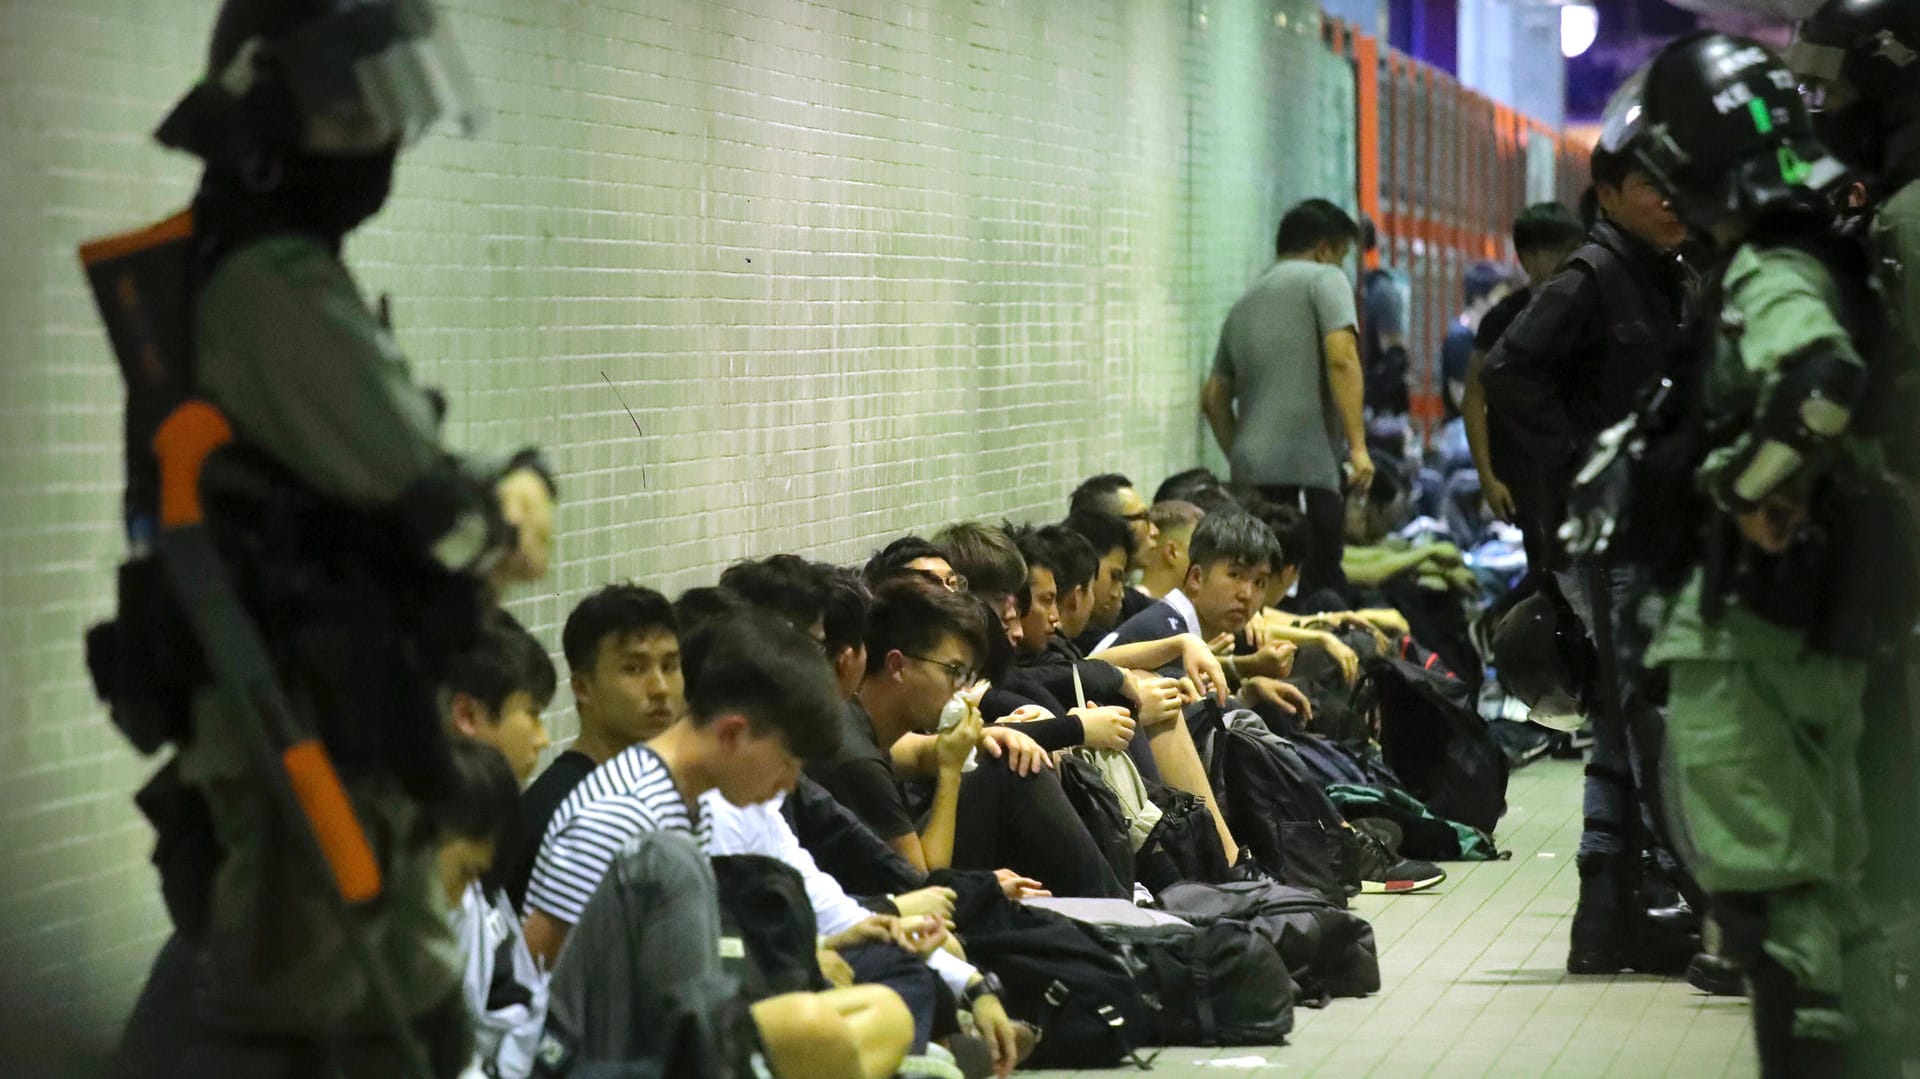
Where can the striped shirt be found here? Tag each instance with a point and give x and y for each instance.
(629, 796)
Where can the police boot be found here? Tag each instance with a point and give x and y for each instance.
(1597, 929)
(1782, 1055)
(1716, 976)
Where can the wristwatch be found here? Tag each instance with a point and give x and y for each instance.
(988, 985)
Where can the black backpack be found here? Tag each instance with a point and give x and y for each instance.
(1055, 975)
(1328, 951)
(1100, 810)
(1183, 846)
(1432, 738)
(1277, 807)
(764, 905)
(1221, 984)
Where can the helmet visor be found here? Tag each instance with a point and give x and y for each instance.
(377, 75)
(1623, 120)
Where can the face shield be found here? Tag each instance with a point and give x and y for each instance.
(375, 75)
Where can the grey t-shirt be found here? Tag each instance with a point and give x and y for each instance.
(1271, 346)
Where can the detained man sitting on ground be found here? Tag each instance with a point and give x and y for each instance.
(623, 655)
(620, 863)
(996, 804)
(1232, 555)
(1114, 494)
(1061, 559)
(1165, 564)
(1113, 601)
(496, 689)
(764, 704)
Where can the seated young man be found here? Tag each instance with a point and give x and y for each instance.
(1232, 556)
(623, 657)
(505, 992)
(1113, 602)
(875, 948)
(496, 691)
(1165, 564)
(924, 645)
(1059, 560)
(644, 973)
(1114, 494)
(912, 554)
(764, 702)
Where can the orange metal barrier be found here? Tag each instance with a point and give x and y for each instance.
(1442, 172)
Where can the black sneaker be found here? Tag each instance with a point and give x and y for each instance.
(1384, 873)
(1716, 976)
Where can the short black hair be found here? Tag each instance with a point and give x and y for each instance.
(1098, 493)
(481, 798)
(1233, 536)
(1590, 207)
(1292, 533)
(1175, 514)
(785, 584)
(1103, 532)
(846, 614)
(911, 614)
(1181, 486)
(696, 607)
(504, 660)
(759, 665)
(891, 561)
(1074, 563)
(1311, 223)
(984, 556)
(618, 610)
(1546, 226)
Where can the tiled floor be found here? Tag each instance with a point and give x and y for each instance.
(1475, 982)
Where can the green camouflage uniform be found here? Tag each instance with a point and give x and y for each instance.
(289, 351)
(1763, 731)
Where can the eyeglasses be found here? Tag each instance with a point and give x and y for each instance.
(958, 673)
(1141, 516)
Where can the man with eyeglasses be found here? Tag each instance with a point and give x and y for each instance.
(925, 646)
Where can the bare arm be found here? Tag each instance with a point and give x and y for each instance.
(909, 847)
(936, 839)
(545, 934)
(1349, 395)
(1216, 402)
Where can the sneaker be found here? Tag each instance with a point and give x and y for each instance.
(1251, 868)
(1384, 873)
(1382, 829)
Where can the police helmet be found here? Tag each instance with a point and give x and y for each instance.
(1538, 654)
(1718, 124)
(322, 78)
(1860, 60)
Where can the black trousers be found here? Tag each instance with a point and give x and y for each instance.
(1026, 824)
(1326, 513)
(876, 963)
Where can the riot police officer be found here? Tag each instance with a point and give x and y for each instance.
(1796, 580)
(364, 550)
(1861, 63)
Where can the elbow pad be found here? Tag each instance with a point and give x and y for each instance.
(1811, 405)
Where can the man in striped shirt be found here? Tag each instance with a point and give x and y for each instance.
(764, 701)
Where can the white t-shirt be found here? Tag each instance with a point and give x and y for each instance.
(761, 829)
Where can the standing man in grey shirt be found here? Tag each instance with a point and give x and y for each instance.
(1285, 396)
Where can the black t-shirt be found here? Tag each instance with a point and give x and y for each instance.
(1456, 352)
(537, 806)
(860, 776)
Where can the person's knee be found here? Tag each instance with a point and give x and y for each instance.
(863, 1031)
